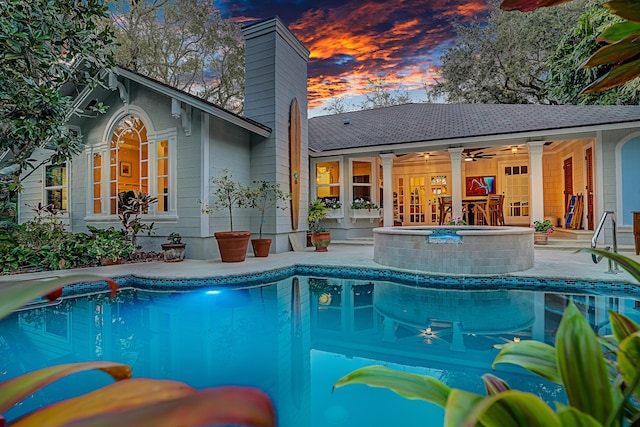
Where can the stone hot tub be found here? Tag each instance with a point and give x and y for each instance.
(464, 250)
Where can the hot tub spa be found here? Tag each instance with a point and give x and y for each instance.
(455, 250)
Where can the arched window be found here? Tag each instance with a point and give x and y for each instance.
(131, 161)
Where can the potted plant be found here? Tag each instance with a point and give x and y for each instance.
(542, 231)
(229, 194)
(263, 196)
(174, 250)
(320, 237)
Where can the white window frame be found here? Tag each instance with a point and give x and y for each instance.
(103, 148)
(55, 187)
(341, 183)
(374, 184)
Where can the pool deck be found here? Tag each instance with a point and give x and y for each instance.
(552, 262)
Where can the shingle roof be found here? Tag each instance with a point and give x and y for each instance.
(433, 122)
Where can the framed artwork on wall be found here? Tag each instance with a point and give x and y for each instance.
(480, 185)
(125, 169)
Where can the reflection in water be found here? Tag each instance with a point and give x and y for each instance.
(294, 339)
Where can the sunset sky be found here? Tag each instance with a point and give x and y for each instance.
(355, 40)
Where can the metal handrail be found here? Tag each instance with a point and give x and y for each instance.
(596, 259)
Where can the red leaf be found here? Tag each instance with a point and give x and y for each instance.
(52, 296)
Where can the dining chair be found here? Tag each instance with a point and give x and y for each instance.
(444, 207)
(495, 209)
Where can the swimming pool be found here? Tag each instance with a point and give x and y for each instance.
(295, 336)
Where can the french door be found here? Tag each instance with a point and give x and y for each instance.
(417, 198)
(515, 185)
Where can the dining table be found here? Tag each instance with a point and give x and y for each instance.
(474, 211)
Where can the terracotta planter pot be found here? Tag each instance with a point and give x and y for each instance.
(233, 245)
(173, 252)
(321, 240)
(261, 247)
(540, 238)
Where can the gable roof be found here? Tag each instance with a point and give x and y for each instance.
(195, 101)
(410, 123)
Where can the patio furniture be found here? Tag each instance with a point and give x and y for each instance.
(444, 207)
(474, 211)
(495, 209)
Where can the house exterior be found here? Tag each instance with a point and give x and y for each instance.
(537, 156)
(168, 143)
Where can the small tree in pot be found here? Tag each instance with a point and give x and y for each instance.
(320, 237)
(229, 194)
(265, 195)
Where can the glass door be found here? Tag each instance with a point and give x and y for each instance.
(516, 193)
(438, 187)
(417, 200)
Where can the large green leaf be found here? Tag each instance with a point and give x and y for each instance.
(582, 366)
(535, 356)
(622, 326)
(626, 9)
(631, 266)
(14, 295)
(619, 31)
(411, 386)
(571, 417)
(629, 361)
(158, 403)
(14, 390)
(616, 53)
(528, 5)
(510, 408)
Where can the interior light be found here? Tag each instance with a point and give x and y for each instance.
(428, 330)
(514, 150)
(468, 159)
(516, 339)
(426, 156)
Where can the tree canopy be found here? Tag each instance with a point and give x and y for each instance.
(503, 60)
(378, 93)
(185, 44)
(49, 52)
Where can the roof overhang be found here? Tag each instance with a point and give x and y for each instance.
(482, 140)
(195, 102)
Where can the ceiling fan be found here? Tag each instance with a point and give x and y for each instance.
(472, 155)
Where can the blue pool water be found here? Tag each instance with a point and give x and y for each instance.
(295, 337)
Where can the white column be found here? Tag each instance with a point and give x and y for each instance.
(455, 189)
(387, 188)
(536, 180)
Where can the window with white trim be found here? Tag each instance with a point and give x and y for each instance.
(133, 162)
(328, 181)
(362, 181)
(55, 186)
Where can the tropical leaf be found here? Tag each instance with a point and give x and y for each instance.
(14, 295)
(535, 356)
(510, 408)
(616, 53)
(14, 390)
(631, 266)
(622, 326)
(629, 361)
(582, 366)
(529, 5)
(494, 385)
(158, 403)
(615, 77)
(411, 386)
(619, 31)
(626, 9)
(571, 417)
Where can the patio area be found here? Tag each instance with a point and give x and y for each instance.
(559, 260)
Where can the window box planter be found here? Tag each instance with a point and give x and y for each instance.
(336, 214)
(370, 214)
